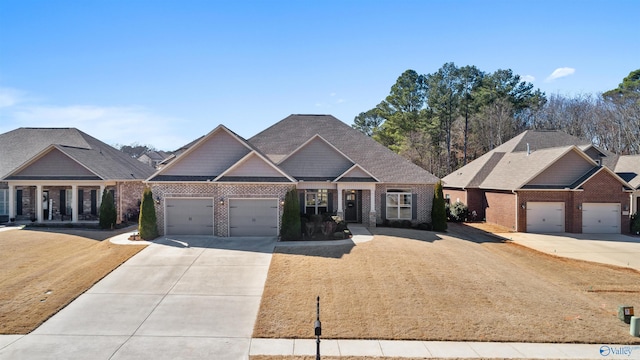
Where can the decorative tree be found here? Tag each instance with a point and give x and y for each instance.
(291, 217)
(147, 224)
(438, 212)
(107, 211)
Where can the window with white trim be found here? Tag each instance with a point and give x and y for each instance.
(4, 202)
(316, 201)
(399, 204)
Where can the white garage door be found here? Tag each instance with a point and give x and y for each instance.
(253, 217)
(545, 217)
(189, 217)
(600, 218)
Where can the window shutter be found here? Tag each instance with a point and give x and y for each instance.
(330, 202)
(414, 206)
(383, 206)
(301, 197)
(63, 202)
(18, 202)
(80, 201)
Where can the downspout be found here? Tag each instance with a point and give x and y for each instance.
(517, 209)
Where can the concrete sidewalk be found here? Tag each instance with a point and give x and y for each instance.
(442, 349)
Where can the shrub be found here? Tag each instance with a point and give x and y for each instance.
(459, 212)
(107, 211)
(291, 217)
(635, 224)
(438, 211)
(147, 222)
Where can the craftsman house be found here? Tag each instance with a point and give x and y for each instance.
(221, 184)
(59, 174)
(548, 181)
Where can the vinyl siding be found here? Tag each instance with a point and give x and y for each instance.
(254, 166)
(55, 163)
(316, 159)
(356, 172)
(563, 172)
(213, 157)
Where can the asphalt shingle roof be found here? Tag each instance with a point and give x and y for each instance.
(288, 134)
(21, 145)
(511, 164)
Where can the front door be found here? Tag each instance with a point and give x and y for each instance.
(351, 207)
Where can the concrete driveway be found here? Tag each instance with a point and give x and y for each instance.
(613, 249)
(183, 298)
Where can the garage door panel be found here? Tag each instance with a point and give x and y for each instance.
(601, 218)
(545, 217)
(189, 216)
(253, 217)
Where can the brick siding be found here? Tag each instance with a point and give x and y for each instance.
(216, 191)
(424, 201)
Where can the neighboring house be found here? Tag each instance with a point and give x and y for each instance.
(153, 158)
(59, 174)
(224, 185)
(549, 181)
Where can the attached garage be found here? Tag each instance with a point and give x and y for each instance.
(545, 217)
(253, 217)
(189, 216)
(601, 218)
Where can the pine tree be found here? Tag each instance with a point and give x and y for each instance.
(438, 211)
(291, 217)
(147, 224)
(107, 211)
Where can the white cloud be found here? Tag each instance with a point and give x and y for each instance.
(528, 78)
(560, 72)
(112, 125)
(9, 97)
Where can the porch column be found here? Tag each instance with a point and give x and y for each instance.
(340, 199)
(74, 203)
(372, 210)
(38, 201)
(12, 201)
(99, 198)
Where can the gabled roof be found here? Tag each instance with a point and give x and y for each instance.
(227, 161)
(284, 137)
(516, 163)
(628, 168)
(356, 173)
(245, 170)
(24, 145)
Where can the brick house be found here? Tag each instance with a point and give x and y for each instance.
(221, 184)
(59, 174)
(548, 181)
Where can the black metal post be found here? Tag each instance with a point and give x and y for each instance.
(318, 329)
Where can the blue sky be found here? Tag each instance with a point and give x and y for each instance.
(165, 72)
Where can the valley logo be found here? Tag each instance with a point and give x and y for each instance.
(618, 350)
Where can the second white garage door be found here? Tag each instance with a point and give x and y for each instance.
(189, 216)
(253, 217)
(545, 217)
(598, 218)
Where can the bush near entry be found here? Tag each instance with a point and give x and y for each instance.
(147, 223)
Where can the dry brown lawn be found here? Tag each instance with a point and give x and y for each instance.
(41, 271)
(459, 286)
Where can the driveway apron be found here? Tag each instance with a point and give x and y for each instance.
(186, 297)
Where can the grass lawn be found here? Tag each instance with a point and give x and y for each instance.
(41, 271)
(459, 286)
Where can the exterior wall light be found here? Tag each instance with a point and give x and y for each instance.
(158, 200)
(523, 205)
(221, 201)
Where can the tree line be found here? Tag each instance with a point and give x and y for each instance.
(442, 121)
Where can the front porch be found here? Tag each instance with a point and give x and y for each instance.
(55, 203)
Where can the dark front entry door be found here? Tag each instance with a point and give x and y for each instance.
(351, 207)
